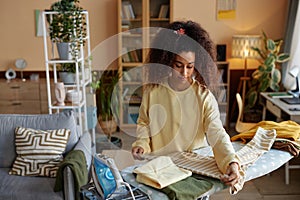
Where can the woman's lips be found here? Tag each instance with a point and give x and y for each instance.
(182, 78)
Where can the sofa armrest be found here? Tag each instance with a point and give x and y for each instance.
(85, 145)
(69, 186)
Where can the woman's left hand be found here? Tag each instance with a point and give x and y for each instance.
(232, 174)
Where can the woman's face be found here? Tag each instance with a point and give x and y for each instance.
(183, 67)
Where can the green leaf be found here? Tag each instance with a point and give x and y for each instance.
(264, 75)
(259, 51)
(261, 68)
(270, 67)
(264, 35)
(283, 57)
(252, 98)
(278, 44)
(270, 60)
(271, 46)
(264, 85)
(265, 38)
(251, 89)
(276, 76)
(274, 86)
(256, 74)
(278, 41)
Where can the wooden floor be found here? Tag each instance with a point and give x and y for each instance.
(268, 187)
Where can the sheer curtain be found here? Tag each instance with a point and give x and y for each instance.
(292, 44)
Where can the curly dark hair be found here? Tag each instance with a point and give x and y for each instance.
(182, 36)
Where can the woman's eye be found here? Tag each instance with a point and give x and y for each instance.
(190, 66)
(179, 65)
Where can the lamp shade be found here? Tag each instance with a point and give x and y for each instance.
(241, 46)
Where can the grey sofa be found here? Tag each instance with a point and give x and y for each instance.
(25, 187)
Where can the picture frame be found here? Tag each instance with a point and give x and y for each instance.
(226, 9)
(38, 23)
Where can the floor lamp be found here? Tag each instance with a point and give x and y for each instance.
(241, 48)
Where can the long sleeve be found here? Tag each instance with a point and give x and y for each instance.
(143, 130)
(217, 137)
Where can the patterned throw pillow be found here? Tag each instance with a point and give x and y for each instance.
(39, 152)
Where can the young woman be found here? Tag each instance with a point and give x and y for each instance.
(179, 111)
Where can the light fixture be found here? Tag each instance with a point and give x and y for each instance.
(241, 48)
(294, 73)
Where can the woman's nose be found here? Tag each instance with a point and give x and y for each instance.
(184, 71)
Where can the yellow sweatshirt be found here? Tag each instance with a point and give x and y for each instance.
(171, 121)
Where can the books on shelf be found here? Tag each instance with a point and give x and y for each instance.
(221, 75)
(222, 96)
(125, 27)
(125, 55)
(280, 95)
(127, 10)
(126, 76)
(131, 55)
(163, 12)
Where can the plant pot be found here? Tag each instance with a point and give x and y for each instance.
(64, 50)
(67, 77)
(253, 116)
(108, 127)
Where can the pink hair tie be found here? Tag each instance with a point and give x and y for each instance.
(180, 31)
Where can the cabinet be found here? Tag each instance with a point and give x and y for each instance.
(19, 97)
(82, 72)
(223, 93)
(136, 22)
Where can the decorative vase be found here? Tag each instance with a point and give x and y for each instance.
(60, 93)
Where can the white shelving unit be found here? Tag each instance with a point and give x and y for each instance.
(82, 74)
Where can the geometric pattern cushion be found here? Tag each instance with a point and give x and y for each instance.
(39, 152)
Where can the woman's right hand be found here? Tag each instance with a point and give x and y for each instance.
(137, 152)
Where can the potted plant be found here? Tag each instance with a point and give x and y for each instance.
(268, 76)
(66, 72)
(107, 101)
(67, 28)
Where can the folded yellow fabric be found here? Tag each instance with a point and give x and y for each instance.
(285, 129)
(160, 172)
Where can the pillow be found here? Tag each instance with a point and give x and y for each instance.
(39, 152)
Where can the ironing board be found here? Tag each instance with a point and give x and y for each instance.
(267, 163)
